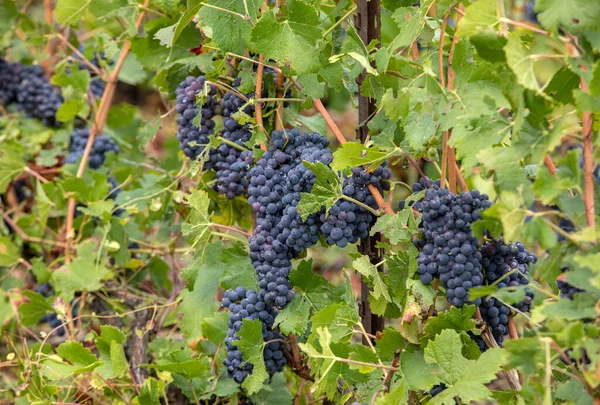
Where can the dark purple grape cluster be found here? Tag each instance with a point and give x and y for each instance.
(448, 249)
(567, 290)
(346, 221)
(495, 314)
(9, 82)
(36, 95)
(245, 304)
(102, 145)
(46, 290)
(231, 164)
(193, 139)
(277, 182)
(508, 265)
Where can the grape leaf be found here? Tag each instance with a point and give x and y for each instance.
(85, 273)
(110, 349)
(572, 15)
(9, 253)
(11, 163)
(364, 266)
(458, 319)
(325, 192)
(197, 226)
(354, 154)
(38, 306)
(251, 345)
(463, 377)
(230, 32)
(149, 393)
(281, 39)
(419, 374)
(479, 16)
(312, 291)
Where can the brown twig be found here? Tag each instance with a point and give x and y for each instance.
(27, 238)
(588, 164)
(388, 377)
(330, 123)
(98, 126)
(441, 52)
(550, 165)
(258, 108)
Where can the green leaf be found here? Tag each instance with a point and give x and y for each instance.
(9, 253)
(199, 303)
(76, 354)
(230, 32)
(110, 349)
(251, 345)
(11, 163)
(311, 293)
(149, 393)
(132, 71)
(521, 59)
(419, 374)
(464, 378)
(325, 192)
(68, 12)
(354, 154)
(184, 363)
(85, 273)
(479, 16)
(197, 226)
(311, 86)
(364, 266)
(38, 306)
(580, 307)
(458, 319)
(410, 20)
(282, 38)
(70, 109)
(193, 6)
(574, 15)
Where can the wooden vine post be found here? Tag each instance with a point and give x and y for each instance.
(368, 25)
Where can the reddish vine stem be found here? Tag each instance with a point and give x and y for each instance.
(550, 165)
(388, 378)
(588, 164)
(258, 109)
(100, 120)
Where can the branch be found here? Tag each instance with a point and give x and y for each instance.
(258, 108)
(388, 378)
(550, 165)
(588, 164)
(99, 122)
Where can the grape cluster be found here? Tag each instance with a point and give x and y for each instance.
(9, 82)
(36, 95)
(449, 251)
(500, 259)
(231, 164)
(495, 314)
(276, 184)
(193, 139)
(102, 145)
(245, 304)
(46, 290)
(346, 221)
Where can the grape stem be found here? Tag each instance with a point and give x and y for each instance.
(365, 206)
(232, 144)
